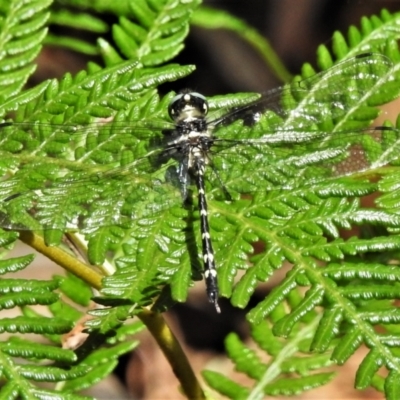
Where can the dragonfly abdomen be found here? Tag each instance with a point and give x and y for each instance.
(210, 272)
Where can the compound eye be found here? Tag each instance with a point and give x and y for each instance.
(175, 106)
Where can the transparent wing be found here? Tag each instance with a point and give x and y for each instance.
(66, 195)
(74, 177)
(53, 194)
(71, 176)
(313, 127)
(255, 165)
(329, 96)
(93, 141)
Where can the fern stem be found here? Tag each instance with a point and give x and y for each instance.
(173, 352)
(62, 258)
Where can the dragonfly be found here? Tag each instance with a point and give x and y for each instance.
(111, 173)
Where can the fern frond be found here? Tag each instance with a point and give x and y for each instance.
(155, 33)
(23, 31)
(293, 226)
(101, 93)
(82, 21)
(376, 33)
(29, 363)
(289, 371)
(356, 297)
(110, 93)
(83, 135)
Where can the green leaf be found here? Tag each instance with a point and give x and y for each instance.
(156, 32)
(23, 31)
(76, 20)
(244, 358)
(17, 347)
(34, 325)
(99, 365)
(76, 290)
(225, 386)
(15, 264)
(288, 371)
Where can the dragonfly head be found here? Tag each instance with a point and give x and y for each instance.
(188, 105)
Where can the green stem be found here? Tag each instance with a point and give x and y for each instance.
(62, 258)
(174, 353)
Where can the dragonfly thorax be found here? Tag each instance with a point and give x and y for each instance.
(192, 144)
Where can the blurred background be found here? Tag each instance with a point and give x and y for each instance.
(226, 64)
